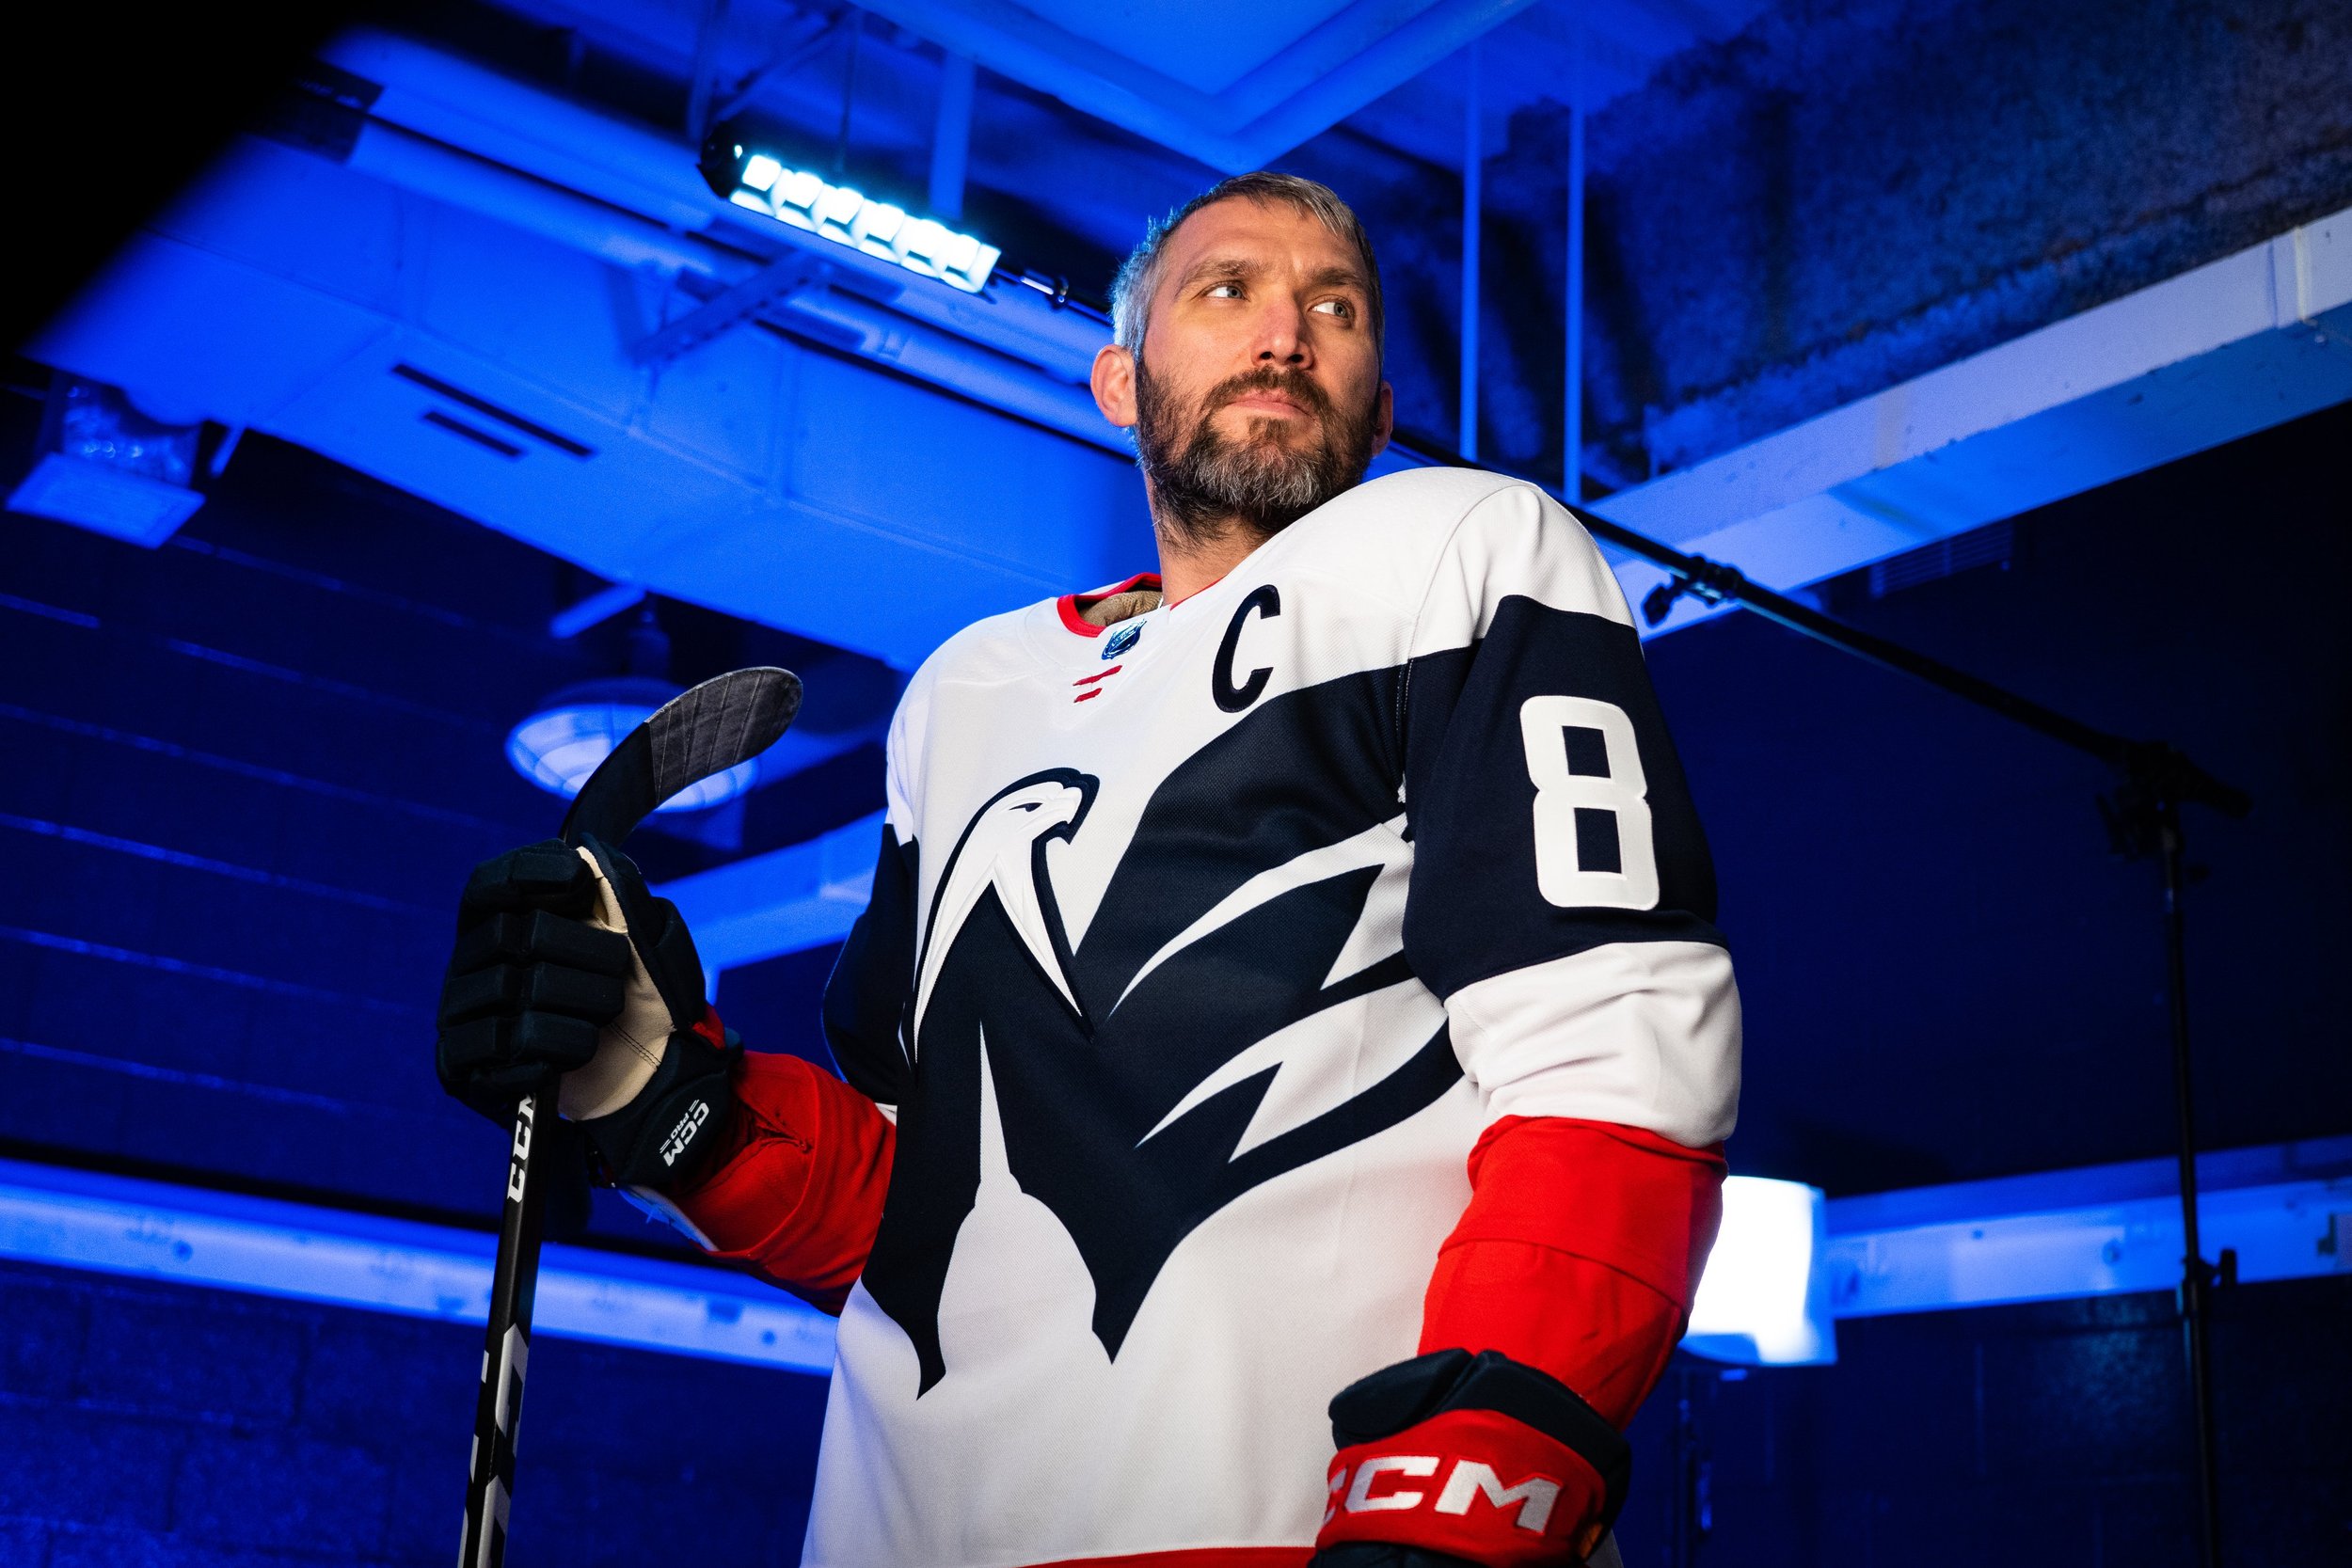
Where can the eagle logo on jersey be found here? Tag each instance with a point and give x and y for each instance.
(1239, 1005)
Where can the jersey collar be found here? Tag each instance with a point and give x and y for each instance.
(1073, 606)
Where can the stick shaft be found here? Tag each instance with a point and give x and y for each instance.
(723, 721)
(505, 1351)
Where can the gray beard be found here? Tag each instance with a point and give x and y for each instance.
(1204, 487)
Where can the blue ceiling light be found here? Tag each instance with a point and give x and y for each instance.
(763, 184)
(559, 746)
(560, 743)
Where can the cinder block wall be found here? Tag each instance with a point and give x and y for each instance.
(2051, 1433)
(162, 1424)
(1850, 193)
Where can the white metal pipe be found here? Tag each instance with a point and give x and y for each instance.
(1572, 380)
(995, 379)
(1473, 203)
(951, 139)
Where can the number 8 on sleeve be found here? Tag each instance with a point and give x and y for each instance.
(1592, 804)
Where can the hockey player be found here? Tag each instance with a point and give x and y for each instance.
(1287, 1052)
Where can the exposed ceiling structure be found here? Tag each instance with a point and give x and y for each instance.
(2222, 351)
(522, 303)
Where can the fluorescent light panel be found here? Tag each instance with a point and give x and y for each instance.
(1786, 1265)
(1761, 1301)
(846, 216)
(192, 1236)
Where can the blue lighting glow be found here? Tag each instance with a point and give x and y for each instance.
(559, 746)
(847, 216)
(263, 1246)
(1784, 1265)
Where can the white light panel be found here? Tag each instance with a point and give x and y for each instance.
(1762, 1300)
(187, 1235)
(847, 216)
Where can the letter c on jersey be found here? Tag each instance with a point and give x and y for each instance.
(1231, 698)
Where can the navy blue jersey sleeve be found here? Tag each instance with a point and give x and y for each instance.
(872, 982)
(1563, 899)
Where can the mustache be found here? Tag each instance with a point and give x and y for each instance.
(1295, 385)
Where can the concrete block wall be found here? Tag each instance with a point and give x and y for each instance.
(161, 1424)
(1850, 193)
(2055, 1433)
(248, 774)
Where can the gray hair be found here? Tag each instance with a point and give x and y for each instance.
(1139, 275)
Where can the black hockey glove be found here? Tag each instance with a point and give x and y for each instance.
(531, 981)
(646, 1070)
(1459, 1460)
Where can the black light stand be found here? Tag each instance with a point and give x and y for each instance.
(1694, 1466)
(2143, 815)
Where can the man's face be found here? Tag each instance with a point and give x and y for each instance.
(1259, 394)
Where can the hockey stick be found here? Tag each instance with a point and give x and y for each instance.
(718, 725)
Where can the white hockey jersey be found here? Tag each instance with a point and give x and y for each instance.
(1202, 949)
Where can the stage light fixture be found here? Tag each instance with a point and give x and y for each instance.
(760, 183)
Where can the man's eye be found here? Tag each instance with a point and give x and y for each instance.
(1340, 307)
(1224, 290)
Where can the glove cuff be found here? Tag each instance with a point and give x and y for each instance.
(1477, 1456)
(664, 1134)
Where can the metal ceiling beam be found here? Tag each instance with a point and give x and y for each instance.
(729, 308)
(645, 189)
(787, 900)
(2216, 353)
(1296, 94)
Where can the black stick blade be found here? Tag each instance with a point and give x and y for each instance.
(728, 720)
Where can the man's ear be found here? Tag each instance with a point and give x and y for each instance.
(1383, 420)
(1114, 383)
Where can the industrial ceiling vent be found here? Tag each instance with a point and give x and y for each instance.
(560, 744)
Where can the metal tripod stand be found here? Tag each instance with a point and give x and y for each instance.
(2143, 815)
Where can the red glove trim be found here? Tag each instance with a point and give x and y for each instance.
(1475, 1483)
(798, 1190)
(1195, 1557)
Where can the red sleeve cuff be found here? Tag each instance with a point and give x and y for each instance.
(1579, 1254)
(798, 1192)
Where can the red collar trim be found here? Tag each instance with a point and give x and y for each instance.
(1072, 606)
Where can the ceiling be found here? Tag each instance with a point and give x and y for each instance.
(1192, 100)
(513, 218)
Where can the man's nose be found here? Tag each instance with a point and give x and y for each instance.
(1282, 337)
